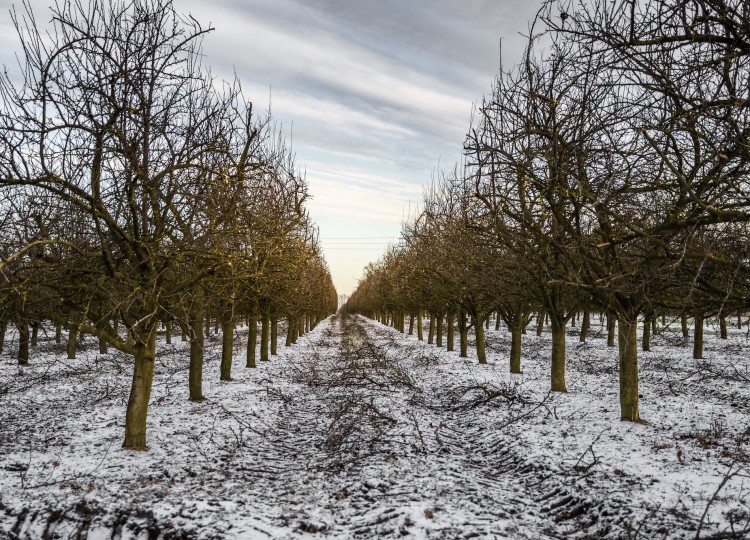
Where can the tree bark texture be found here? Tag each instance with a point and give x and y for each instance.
(140, 393)
(558, 355)
(252, 340)
(698, 337)
(628, 353)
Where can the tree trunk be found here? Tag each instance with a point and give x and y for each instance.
(558, 354)
(3, 329)
(103, 345)
(628, 341)
(264, 324)
(140, 393)
(420, 326)
(723, 327)
(646, 344)
(168, 332)
(195, 373)
(227, 346)
(739, 320)
(698, 338)
(72, 341)
(539, 324)
(23, 343)
(479, 334)
(450, 319)
(35, 334)
(439, 326)
(290, 332)
(295, 332)
(585, 325)
(431, 331)
(684, 325)
(515, 345)
(463, 335)
(487, 323)
(58, 335)
(275, 335)
(252, 339)
(611, 323)
(411, 324)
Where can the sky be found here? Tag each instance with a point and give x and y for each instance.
(375, 96)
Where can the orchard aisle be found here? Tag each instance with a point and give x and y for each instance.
(360, 431)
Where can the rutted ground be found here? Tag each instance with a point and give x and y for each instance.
(359, 431)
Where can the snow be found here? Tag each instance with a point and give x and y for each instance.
(360, 431)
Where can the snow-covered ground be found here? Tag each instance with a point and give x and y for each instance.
(359, 431)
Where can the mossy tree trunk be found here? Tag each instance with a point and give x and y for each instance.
(275, 335)
(140, 390)
(585, 325)
(252, 339)
(628, 354)
(290, 332)
(646, 340)
(463, 335)
(264, 332)
(479, 334)
(611, 324)
(72, 341)
(227, 342)
(196, 337)
(439, 329)
(34, 334)
(558, 354)
(698, 337)
(450, 320)
(24, 338)
(539, 323)
(515, 345)
(3, 329)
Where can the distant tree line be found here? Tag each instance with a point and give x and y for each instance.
(607, 172)
(138, 192)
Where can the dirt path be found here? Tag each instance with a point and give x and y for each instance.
(395, 443)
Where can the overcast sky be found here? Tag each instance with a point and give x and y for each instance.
(374, 95)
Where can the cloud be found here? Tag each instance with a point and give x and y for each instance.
(374, 95)
(361, 196)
